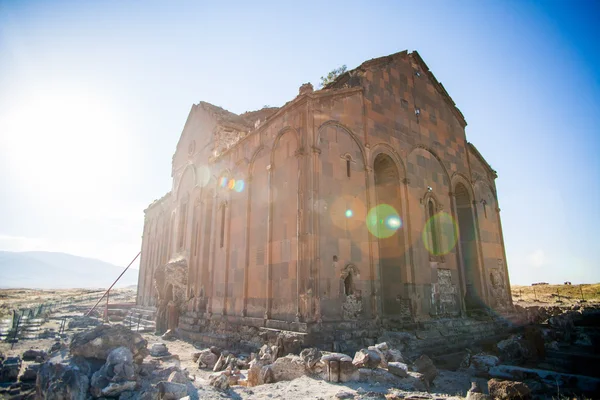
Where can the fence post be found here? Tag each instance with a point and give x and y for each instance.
(581, 291)
(106, 310)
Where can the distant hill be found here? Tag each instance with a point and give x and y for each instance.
(47, 270)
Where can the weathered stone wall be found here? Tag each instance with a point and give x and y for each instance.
(488, 215)
(271, 214)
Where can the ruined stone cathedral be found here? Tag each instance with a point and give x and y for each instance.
(358, 205)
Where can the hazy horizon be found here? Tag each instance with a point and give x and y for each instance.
(94, 95)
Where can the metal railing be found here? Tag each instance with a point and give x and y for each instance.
(106, 294)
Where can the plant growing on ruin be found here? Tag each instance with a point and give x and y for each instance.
(325, 80)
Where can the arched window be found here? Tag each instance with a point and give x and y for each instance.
(182, 224)
(484, 203)
(348, 166)
(433, 227)
(348, 285)
(222, 225)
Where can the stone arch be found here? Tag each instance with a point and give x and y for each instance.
(221, 187)
(385, 148)
(458, 177)
(434, 154)
(282, 223)
(347, 276)
(184, 175)
(345, 129)
(253, 159)
(389, 233)
(432, 196)
(468, 255)
(341, 204)
(351, 295)
(256, 249)
(242, 165)
(278, 138)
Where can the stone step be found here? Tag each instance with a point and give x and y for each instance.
(208, 339)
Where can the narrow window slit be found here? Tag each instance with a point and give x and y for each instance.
(222, 226)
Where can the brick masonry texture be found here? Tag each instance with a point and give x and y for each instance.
(269, 209)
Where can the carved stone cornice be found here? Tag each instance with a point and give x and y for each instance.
(300, 152)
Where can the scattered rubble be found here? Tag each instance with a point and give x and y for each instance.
(116, 375)
(508, 390)
(110, 361)
(100, 341)
(425, 366)
(82, 322)
(159, 350)
(207, 359)
(171, 390)
(10, 368)
(398, 369)
(483, 362)
(34, 354)
(475, 393)
(367, 359)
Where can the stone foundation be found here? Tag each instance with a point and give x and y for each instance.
(433, 337)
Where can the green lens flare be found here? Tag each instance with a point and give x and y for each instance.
(383, 221)
(440, 234)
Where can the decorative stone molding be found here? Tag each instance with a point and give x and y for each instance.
(349, 269)
(439, 258)
(170, 282)
(316, 149)
(300, 152)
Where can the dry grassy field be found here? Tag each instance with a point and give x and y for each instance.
(556, 294)
(11, 299)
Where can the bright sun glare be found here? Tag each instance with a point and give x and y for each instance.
(65, 143)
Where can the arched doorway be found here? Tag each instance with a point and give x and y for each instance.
(388, 230)
(473, 294)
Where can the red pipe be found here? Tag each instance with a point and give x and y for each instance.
(108, 290)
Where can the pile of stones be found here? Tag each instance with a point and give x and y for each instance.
(378, 363)
(108, 361)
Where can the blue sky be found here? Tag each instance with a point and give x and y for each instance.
(94, 95)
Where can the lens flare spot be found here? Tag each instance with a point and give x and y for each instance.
(347, 212)
(383, 221)
(203, 175)
(223, 182)
(393, 222)
(239, 186)
(440, 234)
(231, 184)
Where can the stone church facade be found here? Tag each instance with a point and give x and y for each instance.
(362, 201)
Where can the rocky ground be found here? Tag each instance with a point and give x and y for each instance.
(545, 358)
